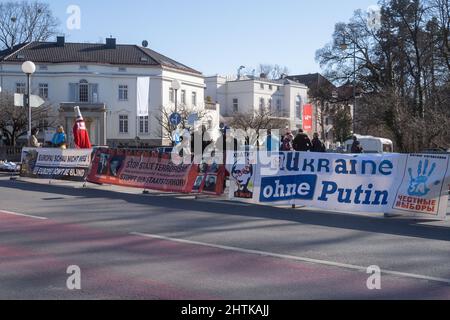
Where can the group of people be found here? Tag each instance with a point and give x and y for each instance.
(301, 142)
(59, 139)
(80, 135)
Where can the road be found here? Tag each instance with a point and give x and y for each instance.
(167, 246)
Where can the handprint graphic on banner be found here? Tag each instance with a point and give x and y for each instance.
(418, 185)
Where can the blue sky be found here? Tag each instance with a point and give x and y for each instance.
(216, 37)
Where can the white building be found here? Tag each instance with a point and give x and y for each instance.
(283, 98)
(103, 80)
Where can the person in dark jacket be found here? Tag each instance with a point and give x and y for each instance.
(302, 142)
(356, 146)
(317, 145)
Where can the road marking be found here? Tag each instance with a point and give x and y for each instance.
(294, 258)
(22, 215)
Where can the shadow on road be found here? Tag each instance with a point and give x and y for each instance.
(403, 227)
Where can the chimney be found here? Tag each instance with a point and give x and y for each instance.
(110, 43)
(60, 41)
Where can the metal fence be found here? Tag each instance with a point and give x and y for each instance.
(10, 153)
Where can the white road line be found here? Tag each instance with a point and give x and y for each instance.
(22, 215)
(294, 258)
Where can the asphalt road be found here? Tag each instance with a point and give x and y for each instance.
(167, 246)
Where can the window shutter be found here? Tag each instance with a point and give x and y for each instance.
(73, 89)
(93, 94)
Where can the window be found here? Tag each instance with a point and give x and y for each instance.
(261, 86)
(84, 68)
(183, 97)
(262, 105)
(143, 124)
(42, 67)
(278, 88)
(83, 91)
(43, 90)
(235, 105)
(122, 69)
(171, 95)
(298, 107)
(279, 105)
(194, 98)
(123, 124)
(270, 87)
(20, 87)
(270, 105)
(123, 92)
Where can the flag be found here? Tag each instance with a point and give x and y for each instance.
(143, 90)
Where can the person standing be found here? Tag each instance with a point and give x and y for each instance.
(59, 138)
(302, 142)
(34, 142)
(272, 142)
(317, 145)
(80, 133)
(356, 146)
(286, 144)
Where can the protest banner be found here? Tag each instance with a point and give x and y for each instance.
(415, 185)
(210, 179)
(55, 163)
(144, 170)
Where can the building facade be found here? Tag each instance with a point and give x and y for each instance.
(282, 99)
(103, 79)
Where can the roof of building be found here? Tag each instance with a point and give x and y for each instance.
(311, 79)
(284, 81)
(51, 52)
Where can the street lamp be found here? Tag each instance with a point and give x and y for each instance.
(176, 85)
(344, 47)
(28, 68)
(239, 71)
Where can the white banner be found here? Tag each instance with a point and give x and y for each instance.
(55, 163)
(389, 183)
(143, 92)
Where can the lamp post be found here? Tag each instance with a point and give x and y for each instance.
(28, 68)
(239, 71)
(176, 85)
(344, 46)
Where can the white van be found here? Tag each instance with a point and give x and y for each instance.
(371, 144)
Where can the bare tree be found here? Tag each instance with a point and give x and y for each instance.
(271, 71)
(402, 68)
(165, 128)
(255, 124)
(22, 22)
(14, 120)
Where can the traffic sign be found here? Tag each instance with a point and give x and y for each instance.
(35, 101)
(175, 119)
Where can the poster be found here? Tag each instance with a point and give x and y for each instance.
(55, 163)
(415, 185)
(142, 170)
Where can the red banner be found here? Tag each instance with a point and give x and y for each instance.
(307, 118)
(154, 171)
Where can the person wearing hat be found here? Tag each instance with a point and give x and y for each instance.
(80, 134)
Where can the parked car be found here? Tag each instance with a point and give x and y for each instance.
(371, 144)
(9, 166)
